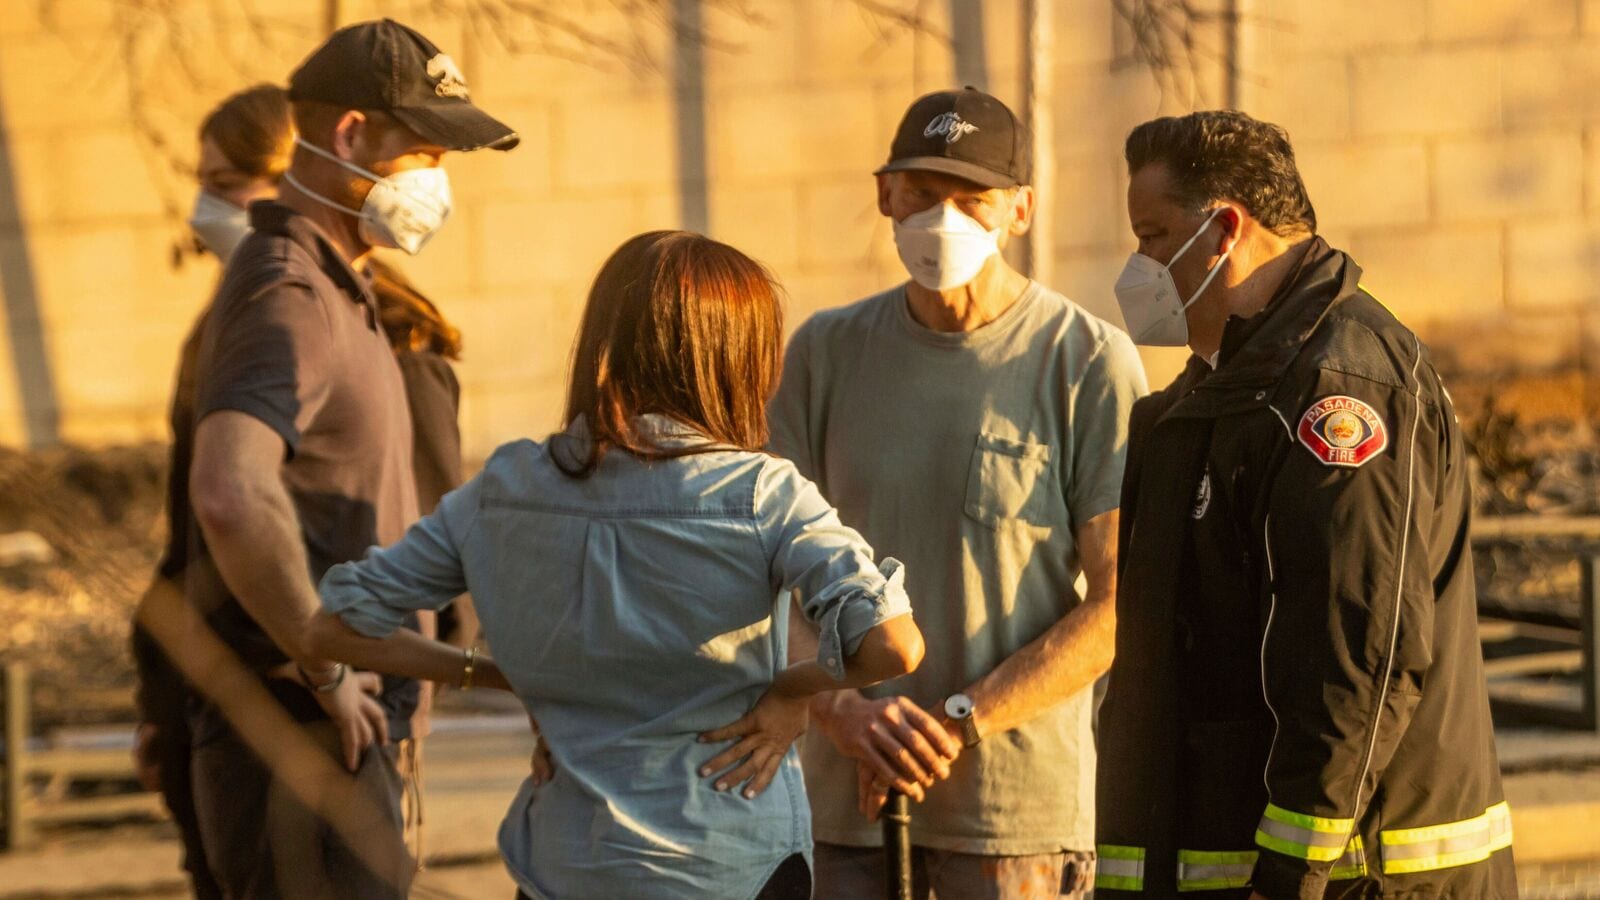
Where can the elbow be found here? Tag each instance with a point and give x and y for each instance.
(907, 651)
(321, 637)
(890, 650)
(219, 503)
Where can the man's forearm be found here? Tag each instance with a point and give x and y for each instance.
(1064, 660)
(1068, 656)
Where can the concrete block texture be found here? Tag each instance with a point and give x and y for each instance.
(1341, 27)
(1309, 97)
(1427, 92)
(1551, 83)
(1495, 176)
(1553, 264)
(1370, 183)
(1491, 20)
(1434, 274)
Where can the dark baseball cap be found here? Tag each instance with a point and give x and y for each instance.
(386, 66)
(965, 133)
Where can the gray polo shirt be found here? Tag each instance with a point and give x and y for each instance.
(293, 340)
(971, 457)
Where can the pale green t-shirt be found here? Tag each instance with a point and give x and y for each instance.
(970, 457)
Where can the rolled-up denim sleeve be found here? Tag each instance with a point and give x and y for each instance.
(842, 591)
(423, 570)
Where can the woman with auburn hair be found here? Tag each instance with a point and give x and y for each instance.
(632, 574)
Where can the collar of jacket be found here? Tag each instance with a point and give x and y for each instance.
(1257, 351)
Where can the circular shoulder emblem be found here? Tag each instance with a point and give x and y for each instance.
(1342, 431)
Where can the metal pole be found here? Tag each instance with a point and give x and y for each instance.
(1039, 98)
(1589, 634)
(897, 846)
(18, 834)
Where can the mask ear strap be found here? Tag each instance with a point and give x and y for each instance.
(289, 177)
(1190, 242)
(327, 155)
(1209, 275)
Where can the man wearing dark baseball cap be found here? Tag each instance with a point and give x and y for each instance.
(972, 423)
(302, 460)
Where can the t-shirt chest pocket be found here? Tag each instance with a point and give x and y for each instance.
(1013, 480)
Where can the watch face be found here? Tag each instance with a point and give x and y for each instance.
(958, 706)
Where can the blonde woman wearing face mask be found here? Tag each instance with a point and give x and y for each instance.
(245, 145)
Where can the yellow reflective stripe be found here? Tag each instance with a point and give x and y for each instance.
(1119, 868)
(1407, 850)
(1353, 864)
(1340, 827)
(1210, 870)
(1295, 834)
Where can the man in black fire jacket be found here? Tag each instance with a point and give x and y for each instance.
(1297, 708)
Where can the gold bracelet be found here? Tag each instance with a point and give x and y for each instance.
(471, 655)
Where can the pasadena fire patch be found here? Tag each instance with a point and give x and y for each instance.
(1343, 431)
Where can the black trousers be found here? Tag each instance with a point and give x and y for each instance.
(790, 881)
(263, 842)
(173, 755)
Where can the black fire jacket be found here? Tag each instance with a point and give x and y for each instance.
(1298, 703)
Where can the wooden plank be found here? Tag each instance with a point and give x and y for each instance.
(1506, 528)
(19, 831)
(1493, 630)
(98, 809)
(83, 763)
(1534, 663)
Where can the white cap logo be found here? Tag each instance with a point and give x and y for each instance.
(451, 84)
(950, 125)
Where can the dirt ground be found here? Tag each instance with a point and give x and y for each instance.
(1531, 440)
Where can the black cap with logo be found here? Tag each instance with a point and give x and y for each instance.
(386, 66)
(965, 133)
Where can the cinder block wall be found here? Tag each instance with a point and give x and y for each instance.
(1450, 144)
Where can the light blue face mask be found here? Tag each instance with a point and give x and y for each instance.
(403, 211)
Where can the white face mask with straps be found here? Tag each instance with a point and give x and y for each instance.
(1149, 297)
(402, 211)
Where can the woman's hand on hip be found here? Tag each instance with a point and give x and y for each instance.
(762, 737)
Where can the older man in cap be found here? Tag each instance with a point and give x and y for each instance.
(302, 456)
(970, 422)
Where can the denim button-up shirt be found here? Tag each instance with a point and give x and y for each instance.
(631, 611)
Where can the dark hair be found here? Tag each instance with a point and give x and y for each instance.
(253, 130)
(679, 325)
(1227, 155)
(409, 318)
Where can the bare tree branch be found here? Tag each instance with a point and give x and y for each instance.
(162, 50)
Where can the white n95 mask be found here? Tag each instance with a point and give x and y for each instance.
(402, 211)
(219, 225)
(1149, 297)
(944, 248)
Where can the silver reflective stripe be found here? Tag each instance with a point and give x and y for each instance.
(1329, 845)
(1202, 870)
(1443, 846)
(1120, 868)
(1353, 864)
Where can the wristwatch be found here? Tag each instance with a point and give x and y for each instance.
(958, 707)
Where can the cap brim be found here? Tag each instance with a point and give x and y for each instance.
(947, 166)
(457, 126)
